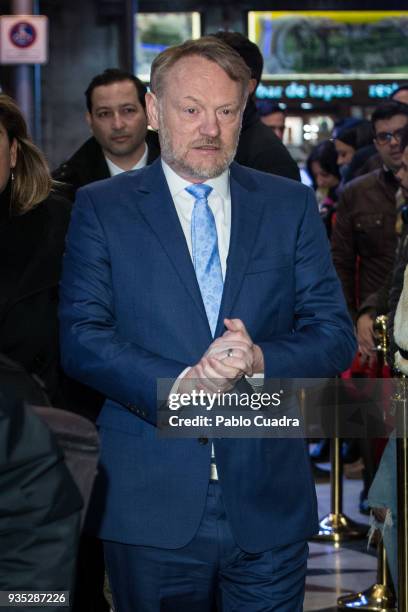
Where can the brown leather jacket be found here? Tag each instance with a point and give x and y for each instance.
(364, 237)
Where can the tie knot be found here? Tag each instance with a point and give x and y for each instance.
(199, 191)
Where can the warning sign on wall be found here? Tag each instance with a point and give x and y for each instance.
(23, 39)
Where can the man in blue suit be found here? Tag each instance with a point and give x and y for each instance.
(198, 269)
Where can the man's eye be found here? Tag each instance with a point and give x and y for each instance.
(228, 113)
(191, 110)
(103, 115)
(129, 110)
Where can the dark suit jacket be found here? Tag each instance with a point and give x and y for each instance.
(131, 313)
(261, 149)
(88, 165)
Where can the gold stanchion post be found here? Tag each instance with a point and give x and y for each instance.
(336, 526)
(380, 597)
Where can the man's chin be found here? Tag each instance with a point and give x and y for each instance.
(119, 151)
(207, 172)
(206, 169)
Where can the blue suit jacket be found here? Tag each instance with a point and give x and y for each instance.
(131, 312)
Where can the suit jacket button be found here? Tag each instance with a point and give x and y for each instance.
(203, 441)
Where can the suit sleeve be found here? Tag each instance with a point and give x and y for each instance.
(92, 349)
(322, 342)
(344, 252)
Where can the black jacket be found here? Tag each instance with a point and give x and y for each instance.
(88, 165)
(31, 249)
(39, 506)
(260, 148)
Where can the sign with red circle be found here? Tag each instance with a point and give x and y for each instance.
(23, 34)
(23, 39)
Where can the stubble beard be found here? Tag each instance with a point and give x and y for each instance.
(180, 164)
(125, 149)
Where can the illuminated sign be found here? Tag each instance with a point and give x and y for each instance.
(381, 90)
(331, 44)
(157, 31)
(359, 92)
(294, 90)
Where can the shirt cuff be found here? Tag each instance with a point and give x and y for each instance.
(178, 380)
(256, 380)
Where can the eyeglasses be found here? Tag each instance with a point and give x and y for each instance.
(386, 137)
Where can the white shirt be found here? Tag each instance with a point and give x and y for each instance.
(114, 169)
(219, 201)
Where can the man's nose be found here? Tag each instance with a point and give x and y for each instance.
(210, 125)
(118, 121)
(394, 140)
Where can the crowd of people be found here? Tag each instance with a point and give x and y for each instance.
(196, 256)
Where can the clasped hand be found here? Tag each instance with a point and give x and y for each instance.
(226, 360)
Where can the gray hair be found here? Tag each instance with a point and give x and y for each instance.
(207, 47)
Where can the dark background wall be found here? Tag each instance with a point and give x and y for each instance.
(82, 44)
(87, 36)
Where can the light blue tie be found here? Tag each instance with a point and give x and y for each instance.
(206, 258)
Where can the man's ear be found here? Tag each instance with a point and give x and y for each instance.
(89, 120)
(252, 86)
(152, 110)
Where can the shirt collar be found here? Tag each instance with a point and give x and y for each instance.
(114, 169)
(177, 184)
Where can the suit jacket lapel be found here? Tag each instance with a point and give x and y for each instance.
(160, 213)
(247, 207)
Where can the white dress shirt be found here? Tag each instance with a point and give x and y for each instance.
(114, 169)
(219, 201)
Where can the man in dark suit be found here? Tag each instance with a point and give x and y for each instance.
(121, 141)
(203, 270)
